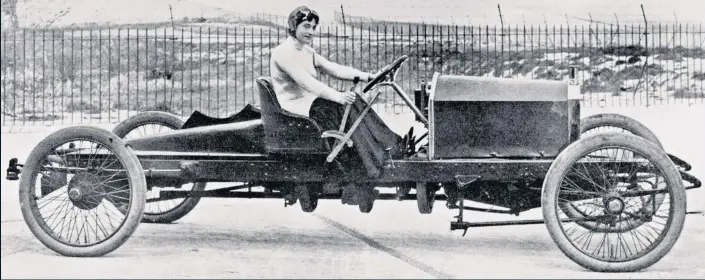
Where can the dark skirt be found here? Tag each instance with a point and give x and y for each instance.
(370, 139)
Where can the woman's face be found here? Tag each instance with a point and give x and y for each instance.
(305, 31)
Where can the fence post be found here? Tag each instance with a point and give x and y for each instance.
(23, 96)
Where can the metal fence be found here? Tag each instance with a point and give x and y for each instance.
(105, 75)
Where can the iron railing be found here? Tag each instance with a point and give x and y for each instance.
(104, 75)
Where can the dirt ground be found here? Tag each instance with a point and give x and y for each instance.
(238, 238)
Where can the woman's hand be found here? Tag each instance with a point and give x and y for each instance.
(348, 97)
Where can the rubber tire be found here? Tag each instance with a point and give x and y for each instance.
(575, 151)
(424, 197)
(179, 211)
(620, 121)
(149, 117)
(174, 122)
(136, 179)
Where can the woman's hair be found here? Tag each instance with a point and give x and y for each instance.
(299, 15)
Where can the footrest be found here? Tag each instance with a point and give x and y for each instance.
(337, 135)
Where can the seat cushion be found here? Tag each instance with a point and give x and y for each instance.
(285, 132)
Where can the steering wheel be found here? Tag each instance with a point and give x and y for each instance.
(385, 73)
(388, 72)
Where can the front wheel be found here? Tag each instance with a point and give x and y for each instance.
(91, 197)
(633, 226)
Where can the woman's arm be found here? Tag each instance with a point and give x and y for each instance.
(341, 71)
(303, 78)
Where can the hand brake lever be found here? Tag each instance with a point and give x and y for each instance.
(347, 107)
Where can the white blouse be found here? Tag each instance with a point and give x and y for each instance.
(292, 97)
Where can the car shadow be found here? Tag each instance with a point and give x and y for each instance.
(183, 239)
(196, 235)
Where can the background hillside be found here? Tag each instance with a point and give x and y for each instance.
(91, 60)
(61, 13)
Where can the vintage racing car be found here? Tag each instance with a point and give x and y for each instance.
(611, 201)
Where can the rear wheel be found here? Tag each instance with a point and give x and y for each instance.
(94, 198)
(149, 123)
(632, 226)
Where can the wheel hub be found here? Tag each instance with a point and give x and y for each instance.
(85, 191)
(614, 205)
(75, 194)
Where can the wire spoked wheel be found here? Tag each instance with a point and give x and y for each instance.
(614, 202)
(82, 192)
(160, 210)
(608, 180)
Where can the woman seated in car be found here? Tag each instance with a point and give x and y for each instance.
(294, 69)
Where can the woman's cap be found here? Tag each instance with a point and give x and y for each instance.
(299, 15)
